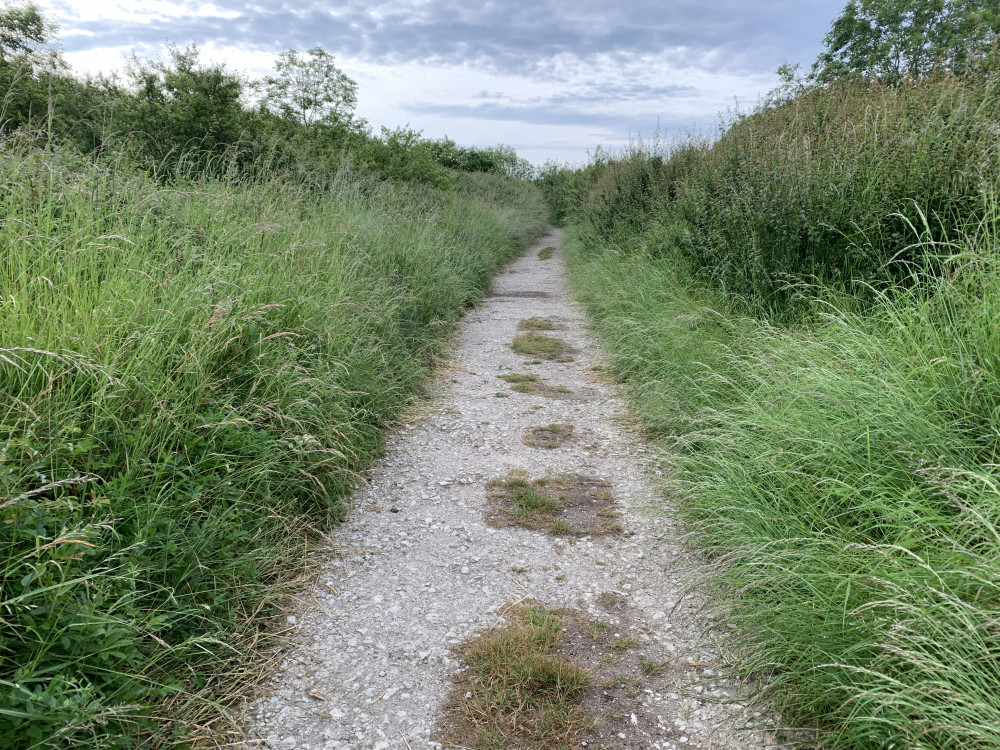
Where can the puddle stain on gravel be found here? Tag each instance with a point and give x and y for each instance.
(567, 505)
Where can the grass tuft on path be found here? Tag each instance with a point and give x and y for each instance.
(533, 344)
(517, 691)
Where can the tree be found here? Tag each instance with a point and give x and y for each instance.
(893, 39)
(182, 104)
(21, 27)
(310, 89)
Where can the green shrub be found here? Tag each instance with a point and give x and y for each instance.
(822, 187)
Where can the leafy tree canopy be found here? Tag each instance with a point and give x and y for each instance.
(310, 89)
(21, 27)
(893, 39)
(183, 102)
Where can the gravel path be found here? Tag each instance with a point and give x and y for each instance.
(417, 569)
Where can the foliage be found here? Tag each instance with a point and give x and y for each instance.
(310, 89)
(804, 313)
(22, 27)
(191, 377)
(824, 186)
(401, 154)
(183, 105)
(894, 39)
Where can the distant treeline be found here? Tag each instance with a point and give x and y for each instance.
(166, 110)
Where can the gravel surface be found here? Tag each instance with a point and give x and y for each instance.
(417, 569)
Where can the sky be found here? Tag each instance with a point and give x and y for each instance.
(552, 78)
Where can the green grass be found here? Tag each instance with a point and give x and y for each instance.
(841, 477)
(536, 324)
(517, 378)
(532, 344)
(516, 691)
(192, 377)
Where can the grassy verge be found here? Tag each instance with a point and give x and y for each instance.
(192, 376)
(841, 477)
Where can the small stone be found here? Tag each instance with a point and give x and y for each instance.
(291, 620)
(634, 720)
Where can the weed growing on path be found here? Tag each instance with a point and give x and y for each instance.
(536, 324)
(550, 436)
(565, 505)
(533, 384)
(545, 253)
(533, 344)
(517, 691)
(552, 679)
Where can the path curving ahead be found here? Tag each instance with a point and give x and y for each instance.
(417, 568)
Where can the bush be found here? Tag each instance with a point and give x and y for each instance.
(824, 187)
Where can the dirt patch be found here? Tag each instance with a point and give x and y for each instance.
(514, 689)
(537, 324)
(627, 669)
(549, 679)
(569, 505)
(545, 253)
(524, 294)
(534, 385)
(549, 437)
(534, 344)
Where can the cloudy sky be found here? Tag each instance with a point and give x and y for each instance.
(553, 78)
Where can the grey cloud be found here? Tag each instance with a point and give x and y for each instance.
(519, 36)
(611, 125)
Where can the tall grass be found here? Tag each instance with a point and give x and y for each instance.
(841, 479)
(192, 376)
(834, 446)
(824, 186)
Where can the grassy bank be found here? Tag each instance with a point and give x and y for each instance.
(833, 445)
(192, 376)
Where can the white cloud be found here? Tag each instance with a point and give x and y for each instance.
(593, 74)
